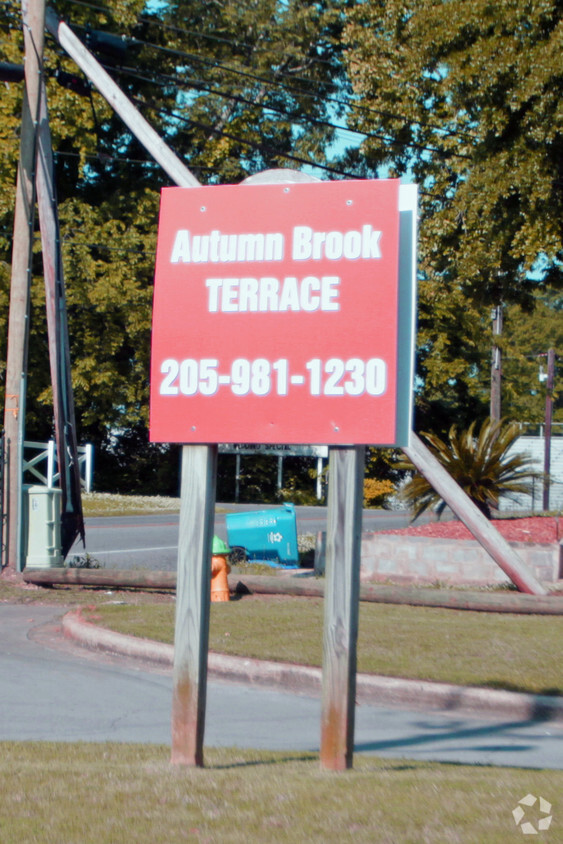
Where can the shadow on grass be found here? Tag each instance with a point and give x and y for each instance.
(382, 765)
(255, 763)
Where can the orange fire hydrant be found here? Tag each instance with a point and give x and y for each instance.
(220, 568)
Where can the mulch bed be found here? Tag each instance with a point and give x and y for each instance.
(536, 529)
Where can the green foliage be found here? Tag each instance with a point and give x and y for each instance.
(382, 474)
(525, 342)
(480, 463)
(377, 491)
(234, 89)
(466, 99)
(467, 103)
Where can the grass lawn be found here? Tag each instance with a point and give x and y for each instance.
(78, 793)
(518, 652)
(482, 649)
(110, 504)
(107, 793)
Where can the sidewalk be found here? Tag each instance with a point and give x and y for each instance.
(370, 689)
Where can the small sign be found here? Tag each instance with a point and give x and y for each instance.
(276, 315)
(274, 449)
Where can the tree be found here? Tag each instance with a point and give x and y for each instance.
(479, 463)
(234, 89)
(466, 98)
(526, 341)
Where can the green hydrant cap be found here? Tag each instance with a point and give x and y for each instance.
(219, 547)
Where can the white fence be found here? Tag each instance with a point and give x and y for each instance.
(42, 465)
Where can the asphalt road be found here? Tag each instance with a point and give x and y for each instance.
(151, 542)
(52, 689)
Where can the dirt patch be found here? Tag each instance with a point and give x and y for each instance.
(535, 529)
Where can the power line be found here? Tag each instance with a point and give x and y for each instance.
(201, 85)
(259, 146)
(193, 33)
(70, 242)
(268, 148)
(349, 104)
(289, 89)
(102, 157)
(315, 60)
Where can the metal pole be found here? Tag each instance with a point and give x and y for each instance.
(548, 420)
(496, 367)
(72, 519)
(50, 463)
(88, 467)
(280, 472)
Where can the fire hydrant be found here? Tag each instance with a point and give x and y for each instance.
(220, 568)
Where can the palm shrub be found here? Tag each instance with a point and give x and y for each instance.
(480, 463)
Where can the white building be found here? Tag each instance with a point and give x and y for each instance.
(535, 448)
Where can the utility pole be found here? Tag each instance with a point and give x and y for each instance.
(548, 419)
(33, 16)
(496, 366)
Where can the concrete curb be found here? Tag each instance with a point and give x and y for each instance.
(370, 688)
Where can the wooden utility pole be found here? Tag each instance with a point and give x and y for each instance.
(496, 367)
(33, 16)
(550, 384)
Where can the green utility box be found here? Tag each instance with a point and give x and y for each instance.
(44, 528)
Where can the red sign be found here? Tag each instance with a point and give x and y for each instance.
(276, 314)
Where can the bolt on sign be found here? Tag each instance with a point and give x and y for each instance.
(281, 315)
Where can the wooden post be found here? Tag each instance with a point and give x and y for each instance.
(33, 15)
(472, 518)
(191, 638)
(341, 606)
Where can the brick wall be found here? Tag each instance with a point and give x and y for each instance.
(417, 559)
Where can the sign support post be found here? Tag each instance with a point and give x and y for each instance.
(191, 637)
(341, 606)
